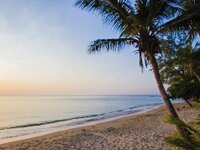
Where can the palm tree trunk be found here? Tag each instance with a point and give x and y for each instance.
(182, 130)
(188, 102)
(196, 75)
(161, 87)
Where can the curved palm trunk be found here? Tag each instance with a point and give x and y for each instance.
(161, 87)
(188, 102)
(196, 75)
(182, 130)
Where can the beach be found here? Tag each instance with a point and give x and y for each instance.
(141, 131)
(100, 75)
(34, 115)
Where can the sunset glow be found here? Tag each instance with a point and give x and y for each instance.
(44, 51)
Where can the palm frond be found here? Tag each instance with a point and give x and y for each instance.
(164, 10)
(179, 142)
(196, 106)
(110, 44)
(117, 12)
(180, 123)
(191, 142)
(188, 20)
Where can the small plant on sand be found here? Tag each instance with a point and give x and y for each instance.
(192, 141)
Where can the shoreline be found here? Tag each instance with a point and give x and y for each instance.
(135, 131)
(85, 124)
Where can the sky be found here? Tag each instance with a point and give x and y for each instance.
(43, 51)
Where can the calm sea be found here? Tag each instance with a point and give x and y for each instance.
(25, 115)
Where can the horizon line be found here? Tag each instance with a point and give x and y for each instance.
(90, 95)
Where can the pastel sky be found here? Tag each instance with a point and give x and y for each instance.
(43, 50)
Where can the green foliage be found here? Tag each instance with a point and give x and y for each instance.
(184, 88)
(114, 44)
(180, 143)
(140, 24)
(191, 127)
(196, 106)
(181, 71)
(192, 142)
(189, 17)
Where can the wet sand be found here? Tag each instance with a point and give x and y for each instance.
(137, 132)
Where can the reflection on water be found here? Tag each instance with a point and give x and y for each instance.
(18, 112)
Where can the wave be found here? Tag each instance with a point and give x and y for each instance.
(88, 118)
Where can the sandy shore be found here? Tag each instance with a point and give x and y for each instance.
(139, 132)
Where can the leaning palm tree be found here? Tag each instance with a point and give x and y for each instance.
(142, 25)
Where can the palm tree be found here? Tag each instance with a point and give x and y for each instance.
(141, 26)
(180, 70)
(189, 18)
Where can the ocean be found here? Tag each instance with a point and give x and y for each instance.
(27, 115)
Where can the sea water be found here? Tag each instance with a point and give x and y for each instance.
(26, 115)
